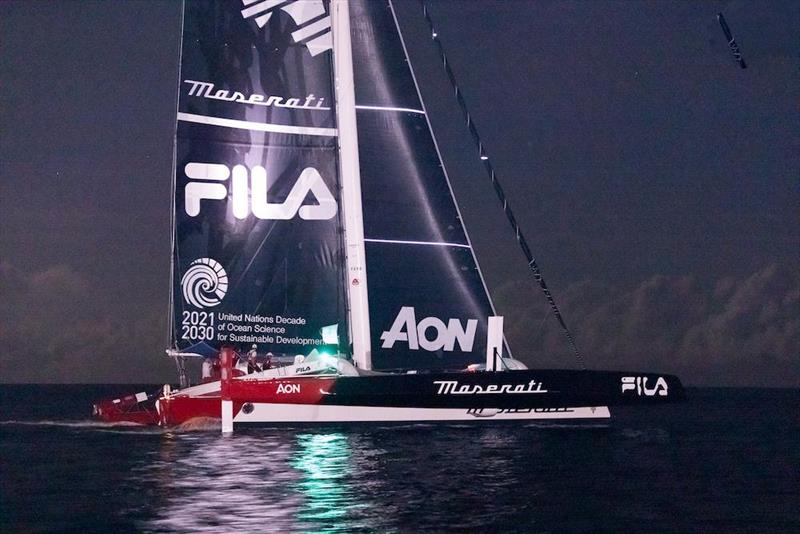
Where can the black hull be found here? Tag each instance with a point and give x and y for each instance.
(506, 390)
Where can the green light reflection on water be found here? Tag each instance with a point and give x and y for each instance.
(324, 461)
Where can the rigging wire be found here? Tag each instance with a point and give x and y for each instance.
(487, 164)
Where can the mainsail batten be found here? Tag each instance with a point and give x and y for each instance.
(256, 126)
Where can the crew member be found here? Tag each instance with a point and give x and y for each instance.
(240, 365)
(205, 370)
(252, 355)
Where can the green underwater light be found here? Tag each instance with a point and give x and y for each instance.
(324, 462)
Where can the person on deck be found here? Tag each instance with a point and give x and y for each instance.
(240, 365)
(206, 370)
(252, 365)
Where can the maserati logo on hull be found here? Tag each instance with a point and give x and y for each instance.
(491, 412)
(452, 387)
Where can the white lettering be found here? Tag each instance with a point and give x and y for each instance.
(242, 202)
(239, 192)
(206, 90)
(199, 88)
(196, 191)
(288, 388)
(464, 336)
(452, 387)
(441, 334)
(404, 328)
(430, 334)
(639, 385)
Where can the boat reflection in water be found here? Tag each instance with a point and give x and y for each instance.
(238, 483)
(282, 480)
(380, 478)
(324, 462)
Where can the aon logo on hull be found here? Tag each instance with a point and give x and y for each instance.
(430, 333)
(288, 388)
(247, 198)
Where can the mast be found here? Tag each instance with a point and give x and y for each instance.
(350, 175)
(172, 343)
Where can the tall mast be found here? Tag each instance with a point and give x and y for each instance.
(350, 174)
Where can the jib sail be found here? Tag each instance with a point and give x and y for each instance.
(257, 240)
(428, 303)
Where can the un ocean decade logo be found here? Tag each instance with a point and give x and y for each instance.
(204, 283)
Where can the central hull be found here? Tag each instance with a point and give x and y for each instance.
(512, 395)
(261, 413)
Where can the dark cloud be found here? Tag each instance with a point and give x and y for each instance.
(738, 332)
(54, 327)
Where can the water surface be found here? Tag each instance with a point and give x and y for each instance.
(724, 460)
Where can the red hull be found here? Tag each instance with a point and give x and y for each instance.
(178, 409)
(139, 409)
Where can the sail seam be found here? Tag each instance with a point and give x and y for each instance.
(387, 108)
(430, 243)
(257, 126)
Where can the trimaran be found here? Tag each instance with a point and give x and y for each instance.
(313, 220)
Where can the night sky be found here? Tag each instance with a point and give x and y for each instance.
(657, 182)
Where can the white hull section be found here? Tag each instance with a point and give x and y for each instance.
(315, 413)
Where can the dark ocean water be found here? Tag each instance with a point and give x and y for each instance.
(725, 460)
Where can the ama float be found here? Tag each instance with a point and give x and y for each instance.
(313, 218)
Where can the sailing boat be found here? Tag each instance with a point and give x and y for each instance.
(314, 223)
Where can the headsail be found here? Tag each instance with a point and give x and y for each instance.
(428, 303)
(257, 242)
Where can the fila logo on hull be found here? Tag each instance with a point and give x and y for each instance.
(638, 385)
(405, 328)
(209, 186)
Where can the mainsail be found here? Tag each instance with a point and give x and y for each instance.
(259, 229)
(428, 303)
(257, 242)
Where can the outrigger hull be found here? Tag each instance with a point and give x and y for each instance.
(481, 396)
(138, 408)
